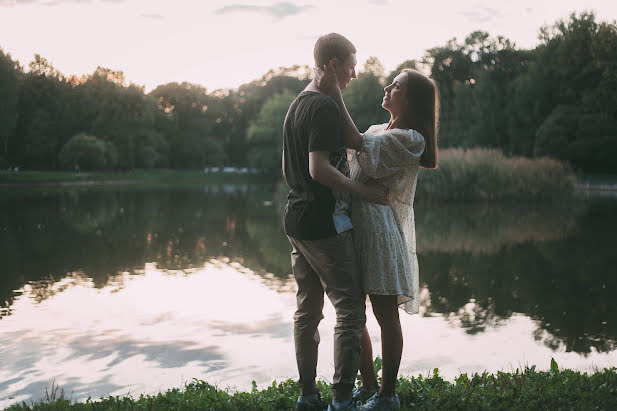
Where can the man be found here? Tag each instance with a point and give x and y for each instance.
(318, 226)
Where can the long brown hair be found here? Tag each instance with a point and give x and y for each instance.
(423, 113)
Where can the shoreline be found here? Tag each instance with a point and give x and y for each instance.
(23, 179)
(597, 187)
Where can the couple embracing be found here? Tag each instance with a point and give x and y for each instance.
(350, 220)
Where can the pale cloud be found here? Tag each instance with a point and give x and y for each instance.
(278, 11)
(11, 3)
(379, 2)
(480, 13)
(151, 16)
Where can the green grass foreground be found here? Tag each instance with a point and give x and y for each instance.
(526, 389)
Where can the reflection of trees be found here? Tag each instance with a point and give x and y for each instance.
(271, 248)
(45, 288)
(480, 263)
(88, 211)
(266, 238)
(487, 227)
(566, 285)
(104, 232)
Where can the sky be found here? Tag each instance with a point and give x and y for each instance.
(223, 44)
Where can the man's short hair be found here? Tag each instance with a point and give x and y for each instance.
(331, 46)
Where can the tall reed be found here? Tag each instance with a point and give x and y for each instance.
(487, 174)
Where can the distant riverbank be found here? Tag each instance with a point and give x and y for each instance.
(462, 175)
(55, 178)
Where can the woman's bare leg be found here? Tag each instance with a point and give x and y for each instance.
(367, 371)
(385, 308)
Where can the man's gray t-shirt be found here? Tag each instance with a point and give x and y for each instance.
(313, 211)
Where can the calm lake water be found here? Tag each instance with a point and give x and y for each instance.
(116, 290)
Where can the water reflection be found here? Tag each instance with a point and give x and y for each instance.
(46, 235)
(564, 283)
(111, 290)
(486, 228)
(160, 328)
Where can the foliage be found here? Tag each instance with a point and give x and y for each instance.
(587, 140)
(9, 94)
(522, 389)
(492, 95)
(363, 96)
(486, 174)
(85, 152)
(265, 135)
(474, 80)
(573, 67)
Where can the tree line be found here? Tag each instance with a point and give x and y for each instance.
(558, 100)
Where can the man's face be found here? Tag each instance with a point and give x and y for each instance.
(346, 70)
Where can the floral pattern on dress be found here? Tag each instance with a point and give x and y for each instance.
(385, 236)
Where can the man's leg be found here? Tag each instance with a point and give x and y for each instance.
(334, 260)
(309, 299)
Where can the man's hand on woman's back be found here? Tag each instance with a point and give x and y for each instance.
(373, 192)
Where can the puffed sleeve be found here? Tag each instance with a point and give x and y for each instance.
(385, 153)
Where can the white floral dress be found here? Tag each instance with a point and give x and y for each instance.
(385, 236)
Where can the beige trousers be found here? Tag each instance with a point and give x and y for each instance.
(328, 265)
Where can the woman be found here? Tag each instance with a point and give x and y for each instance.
(384, 236)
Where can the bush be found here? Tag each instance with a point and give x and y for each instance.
(192, 150)
(483, 174)
(85, 152)
(147, 157)
(587, 140)
(595, 155)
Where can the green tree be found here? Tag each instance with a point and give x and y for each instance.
(10, 72)
(85, 152)
(407, 64)
(196, 123)
(248, 100)
(364, 95)
(265, 135)
(474, 78)
(564, 106)
(123, 115)
(529, 104)
(587, 140)
(40, 129)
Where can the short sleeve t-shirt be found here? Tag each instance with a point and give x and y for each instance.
(313, 211)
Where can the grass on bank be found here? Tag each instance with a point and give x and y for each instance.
(522, 389)
(486, 174)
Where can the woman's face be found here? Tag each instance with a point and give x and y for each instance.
(395, 98)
